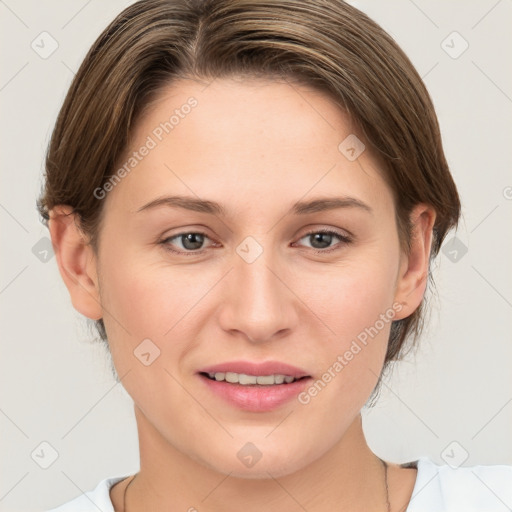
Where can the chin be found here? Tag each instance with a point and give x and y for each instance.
(263, 465)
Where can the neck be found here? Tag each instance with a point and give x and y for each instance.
(348, 477)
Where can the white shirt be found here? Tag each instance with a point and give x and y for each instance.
(437, 489)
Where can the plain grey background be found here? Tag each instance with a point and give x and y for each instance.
(451, 402)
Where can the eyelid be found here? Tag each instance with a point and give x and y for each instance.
(345, 238)
(166, 239)
(342, 233)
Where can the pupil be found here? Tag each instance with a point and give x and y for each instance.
(319, 237)
(192, 238)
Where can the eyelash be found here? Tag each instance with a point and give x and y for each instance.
(344, 240)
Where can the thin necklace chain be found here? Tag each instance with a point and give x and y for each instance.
(385, 480)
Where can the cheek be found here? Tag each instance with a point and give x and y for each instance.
(135, 300)
(146, 303)
(352, 298)
(350, 301)
(136, 303)
(356, 305)
(148, 300)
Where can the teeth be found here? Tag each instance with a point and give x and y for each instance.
(279, 379)
(247, 380)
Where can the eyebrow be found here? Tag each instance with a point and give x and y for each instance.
(214, 208)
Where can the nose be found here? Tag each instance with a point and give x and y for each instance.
(259, 303)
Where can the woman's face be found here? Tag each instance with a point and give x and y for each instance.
(253, 286)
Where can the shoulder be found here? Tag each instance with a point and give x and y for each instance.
(92, 501)
(465, 489)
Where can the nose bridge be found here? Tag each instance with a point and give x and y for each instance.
(257, 300)
(259, 287)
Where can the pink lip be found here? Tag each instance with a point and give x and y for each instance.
(250, 368)
(256, 398)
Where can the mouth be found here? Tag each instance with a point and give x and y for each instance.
(255, 386)
(245, 371)
(254, 393)
(244, 379)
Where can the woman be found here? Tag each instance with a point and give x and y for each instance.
(246, 198)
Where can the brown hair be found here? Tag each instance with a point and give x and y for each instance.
(325, 44)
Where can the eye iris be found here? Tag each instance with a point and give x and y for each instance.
(194, 238)
(194, 241)
(319, 237)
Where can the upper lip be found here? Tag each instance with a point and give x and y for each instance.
(253, 368)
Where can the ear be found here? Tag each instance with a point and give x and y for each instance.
(413, 272)
(76, 261)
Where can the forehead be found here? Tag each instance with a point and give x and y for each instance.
(266, 140)
(250, 110)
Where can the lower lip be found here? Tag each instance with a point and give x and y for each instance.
(256, 398)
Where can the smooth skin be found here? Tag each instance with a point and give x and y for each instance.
(256, 147)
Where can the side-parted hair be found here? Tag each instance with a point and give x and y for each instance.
(327, 45)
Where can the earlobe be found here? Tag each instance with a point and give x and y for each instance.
(76, 261)
(414, 267)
